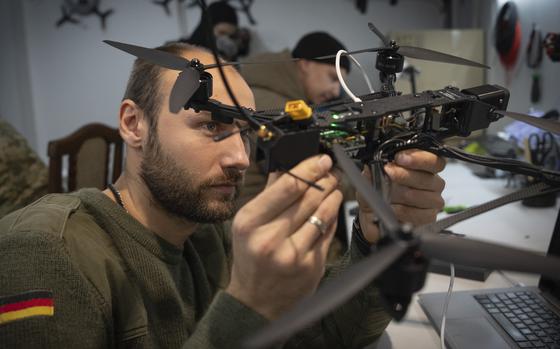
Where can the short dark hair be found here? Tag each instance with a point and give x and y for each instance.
(144, 83)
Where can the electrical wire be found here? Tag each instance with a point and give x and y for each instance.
(510, 280)
(515, 166)
(214, 51)
(445, 305)
(341, 79)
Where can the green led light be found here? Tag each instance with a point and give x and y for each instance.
(336, 116)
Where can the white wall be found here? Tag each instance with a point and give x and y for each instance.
(15, 88)
(546, 13)
(73, 78)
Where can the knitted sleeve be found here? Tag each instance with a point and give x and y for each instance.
(225, 325)
(356, 324)
(44, 300)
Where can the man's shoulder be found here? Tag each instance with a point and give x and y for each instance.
(62, 224)
(56, 217)
(48, 214)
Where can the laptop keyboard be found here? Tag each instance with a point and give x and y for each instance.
(525, 317)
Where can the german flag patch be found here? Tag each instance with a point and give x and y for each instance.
(24, 305)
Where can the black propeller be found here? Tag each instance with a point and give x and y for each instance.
(545, 124)
(161, 58)
(447, 248)
(188, 79)
(329, 296)
(379, 34)
(421, 53)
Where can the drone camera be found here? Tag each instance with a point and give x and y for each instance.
(478, 113)
(495, 95)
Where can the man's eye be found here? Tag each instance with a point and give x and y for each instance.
(211, 126)
(245, 136)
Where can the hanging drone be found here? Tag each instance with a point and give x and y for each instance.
(372, 130)
(82, 8)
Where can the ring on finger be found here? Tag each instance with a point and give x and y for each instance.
(316, 221)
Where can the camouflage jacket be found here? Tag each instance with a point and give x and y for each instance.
(23, 176)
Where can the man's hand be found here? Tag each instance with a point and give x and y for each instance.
(415, 191)
(278, 255)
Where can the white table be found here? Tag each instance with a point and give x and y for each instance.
(514, 224)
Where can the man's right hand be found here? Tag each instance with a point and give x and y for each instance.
(278, 256)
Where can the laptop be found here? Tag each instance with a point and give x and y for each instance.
(513, 317)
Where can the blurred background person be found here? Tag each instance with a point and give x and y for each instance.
(231, 40)
(23, 176)
(310, 79)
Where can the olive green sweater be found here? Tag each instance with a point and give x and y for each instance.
(114, 284)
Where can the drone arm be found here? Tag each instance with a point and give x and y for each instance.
(430, 143)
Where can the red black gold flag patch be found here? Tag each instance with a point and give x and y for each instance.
(24, 305)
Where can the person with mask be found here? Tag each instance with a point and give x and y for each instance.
(222, 20)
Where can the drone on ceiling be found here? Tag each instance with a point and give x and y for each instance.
(371, 131)
(239, 5)
(82, 8)
(165, 5)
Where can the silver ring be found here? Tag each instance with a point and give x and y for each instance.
(318, 223)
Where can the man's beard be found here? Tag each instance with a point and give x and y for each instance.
(175, 189)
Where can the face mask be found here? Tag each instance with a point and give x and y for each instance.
(226, 46)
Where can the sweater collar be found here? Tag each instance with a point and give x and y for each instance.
(114, 219)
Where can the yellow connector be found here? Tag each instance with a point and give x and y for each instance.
(298, 110)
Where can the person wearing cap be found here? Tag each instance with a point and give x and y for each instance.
(310, 79)
(273, 84)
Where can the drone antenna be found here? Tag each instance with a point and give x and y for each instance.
(308, 182)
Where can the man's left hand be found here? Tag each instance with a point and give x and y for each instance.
(415, 191)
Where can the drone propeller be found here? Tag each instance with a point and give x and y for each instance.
(330, 295)
(547, 125)
(188, 80)
(451, 249)
(430, 55)
(380, 35)
(422, 53)
(161, 58)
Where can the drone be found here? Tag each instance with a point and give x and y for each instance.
(370, 132)
(82, 8)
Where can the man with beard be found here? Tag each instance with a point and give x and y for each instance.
(147, 263)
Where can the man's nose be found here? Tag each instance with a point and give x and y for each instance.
(236, 152)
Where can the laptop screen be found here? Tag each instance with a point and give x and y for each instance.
(549, 285)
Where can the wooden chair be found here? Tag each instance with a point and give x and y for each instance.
(95, 157)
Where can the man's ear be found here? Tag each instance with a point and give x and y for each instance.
(133, 125)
